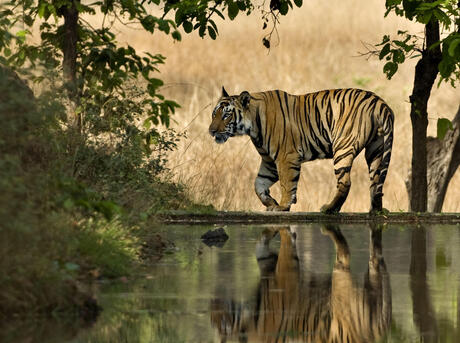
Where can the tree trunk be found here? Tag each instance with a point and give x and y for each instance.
(69, 49)
(426, 71)
(443, 159)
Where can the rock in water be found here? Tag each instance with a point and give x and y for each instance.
(216, 237)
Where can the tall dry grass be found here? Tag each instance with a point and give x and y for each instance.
(318, 49)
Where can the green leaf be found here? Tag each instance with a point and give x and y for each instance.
(219, 13)
(179, 17)
(442, 17)
(163, 25)
(398, 56)
(176, 35)
(212, 33)
(22, 35)
(298, 3)
(443, 126)
(385, 50)
(390, 69)
(284, 8)
(202, 29)
(410, 7)
(232, 10)
(147, 124)
(403, 45)
(28, 20)
(188, 27)
(42, 9)
(266, 43)
(241, 5)
(446, 67)
(213, 24)
(424, 17)
(148, 23)
(452, 46)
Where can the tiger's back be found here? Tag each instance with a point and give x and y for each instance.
(321, 123)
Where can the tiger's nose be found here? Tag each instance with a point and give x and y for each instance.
(212, 131)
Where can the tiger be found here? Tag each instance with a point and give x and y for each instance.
(292, 305)
(288, 130)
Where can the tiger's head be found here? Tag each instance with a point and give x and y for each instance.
(228, 117)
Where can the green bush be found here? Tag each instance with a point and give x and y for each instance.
(72, 200)
(107, 246)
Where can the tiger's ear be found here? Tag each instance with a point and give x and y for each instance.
(244, 99)
(224, 93)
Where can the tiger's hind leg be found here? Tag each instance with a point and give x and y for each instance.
(342, 168)
(267, 176)
(377, 171)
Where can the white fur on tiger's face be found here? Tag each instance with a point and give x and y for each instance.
(228, 117)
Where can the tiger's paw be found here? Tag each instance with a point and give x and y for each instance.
(379, 212)
(278, 208)
(328, 209)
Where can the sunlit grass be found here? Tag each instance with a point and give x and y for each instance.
(319, 48)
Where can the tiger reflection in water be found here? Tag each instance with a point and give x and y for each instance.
(323, 309)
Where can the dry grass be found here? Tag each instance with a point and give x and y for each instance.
(318, 49)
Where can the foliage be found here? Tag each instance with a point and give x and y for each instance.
(439, 52)
(106, 245)
(395, 51)
(199, 14)
(103, 66)
(443, 126)
(68, 201)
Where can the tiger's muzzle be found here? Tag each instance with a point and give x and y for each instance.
(220, 137)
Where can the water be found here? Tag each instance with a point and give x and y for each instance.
(327, 284)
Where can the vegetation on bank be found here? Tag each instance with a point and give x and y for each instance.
(72, 208)
(83, 162)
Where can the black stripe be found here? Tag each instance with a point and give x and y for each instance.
(276, 153)
(269, 177)
(341, 157)
(366, 96)
(259, 138)
(320, 145)
(343, 169)
(304, 136)
(296, 178)
(282, 111)
(269, 138)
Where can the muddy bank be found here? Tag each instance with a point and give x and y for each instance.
(305, 218)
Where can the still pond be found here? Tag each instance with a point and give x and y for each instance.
(294, 283)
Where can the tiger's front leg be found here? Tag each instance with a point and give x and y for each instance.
(289, 173)
(267, 176)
